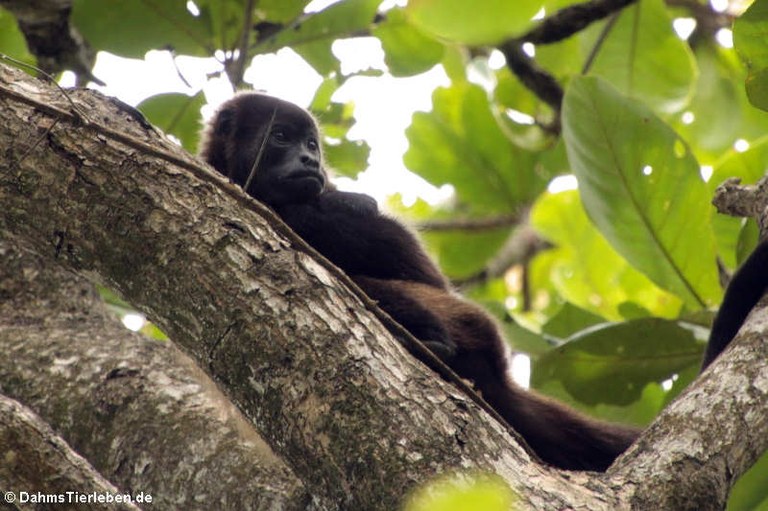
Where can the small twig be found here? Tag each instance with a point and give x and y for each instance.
(599, 43)
(75, 110)
(469, 224)
(262, 147)
(238, 70)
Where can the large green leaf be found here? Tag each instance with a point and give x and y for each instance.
(461, 144)
(176, 114)
(131, 29)
(585, 269)
(645, 59)
(749, 36)
(407, 50)
(641, 187)
(613, 363)
(475, 22)
(714, 114)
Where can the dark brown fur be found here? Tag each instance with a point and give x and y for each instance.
(389, 264)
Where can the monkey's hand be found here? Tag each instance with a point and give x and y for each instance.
(357, 204)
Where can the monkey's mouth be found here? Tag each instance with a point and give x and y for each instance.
(307, 174)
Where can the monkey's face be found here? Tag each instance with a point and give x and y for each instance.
(290, 168)
(268, 146)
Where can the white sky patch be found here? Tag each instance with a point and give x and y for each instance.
(741, 145)
(134, 322)
(719, 5)
(684, 27)
(706, 172)
(520, 117)
(563, 183)
(529, 49)
(521, 370)
(724, 37)
(496, 60)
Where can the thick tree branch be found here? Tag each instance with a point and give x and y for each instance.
(36, 460)
(572, 19)
(138, 410)
(710, 435)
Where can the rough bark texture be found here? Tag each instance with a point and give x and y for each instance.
(39, 463)
(139, 410)
(357, 419)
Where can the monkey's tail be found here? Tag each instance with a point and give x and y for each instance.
(747, 286)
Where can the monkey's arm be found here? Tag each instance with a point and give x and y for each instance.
(348, 229)
(397, 298)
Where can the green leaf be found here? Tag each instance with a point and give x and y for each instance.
(750, 493)
(585, 269)
(476, 22)
(131, 29)
(715, 106)
(223, 21)
(12, 42)
(749, 35)
(613, 363)
(462, 254)
(645, 59)
(757, 88)
(460, 143)
(347, 158)
(280, 11)
(407, 50)
(641, 187)
(312, 36)
(462, 492)
(176, 114)
(522, 339)
(570, 319)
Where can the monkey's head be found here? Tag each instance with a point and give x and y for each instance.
(274, 141)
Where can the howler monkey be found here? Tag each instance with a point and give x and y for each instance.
(270, 147)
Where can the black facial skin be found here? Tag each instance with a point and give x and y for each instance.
(390, 265)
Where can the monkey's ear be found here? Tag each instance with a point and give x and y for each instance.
(225, 121)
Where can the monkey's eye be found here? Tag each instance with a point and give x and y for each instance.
(279, 135)
(312, 144)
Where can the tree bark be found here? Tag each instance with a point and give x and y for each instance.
(139, 410)
(39, 467)
(356, 417)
